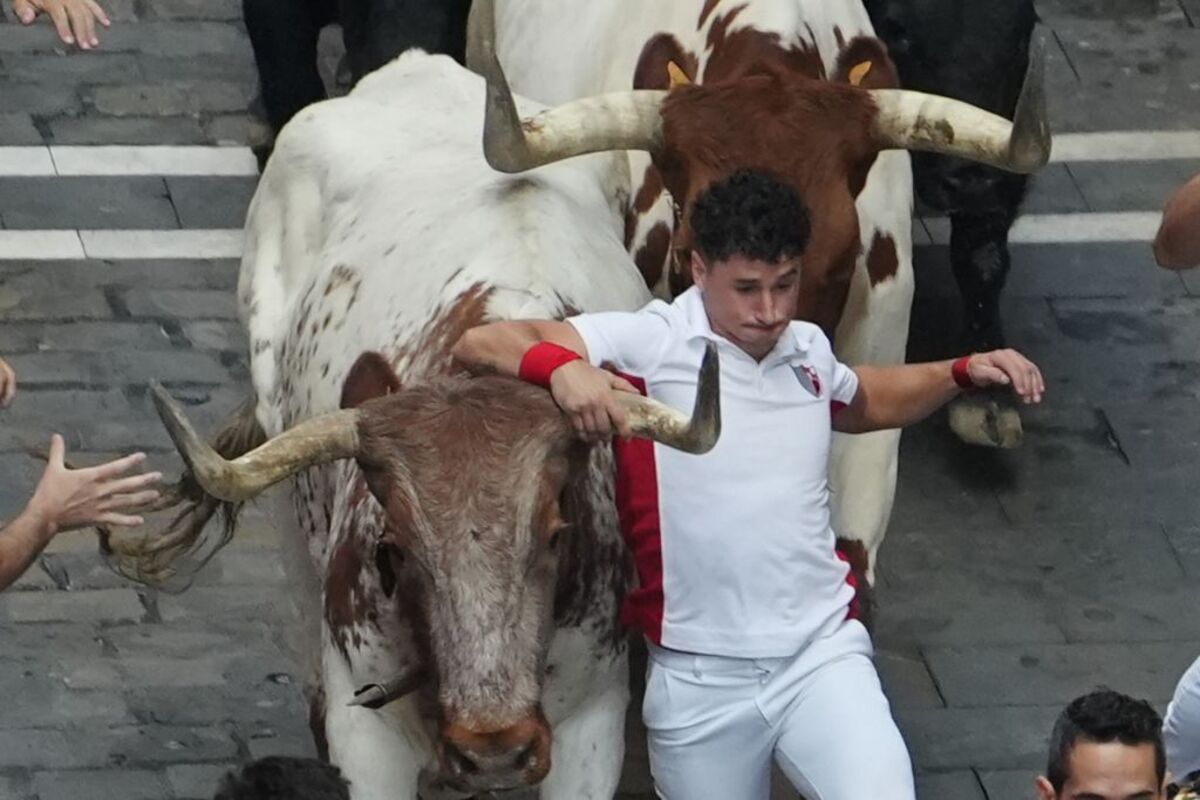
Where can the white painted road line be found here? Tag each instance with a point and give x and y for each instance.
(1118, 226)
(25, 161)
(126, 244)
(1126, 146)
(40, 245)
(165, 160)
(121, 160)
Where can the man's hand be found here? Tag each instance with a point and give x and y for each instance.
(8, 383)
(585, 393)
(66, 499)
(75, 19)
(1008, 367)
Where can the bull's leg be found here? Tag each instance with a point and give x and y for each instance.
(589, 748)
(377, 752)
(862, 471)
(980, 260)
(284, 35)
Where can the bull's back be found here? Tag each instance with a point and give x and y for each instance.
(379, 226)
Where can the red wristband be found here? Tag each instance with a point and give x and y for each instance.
(961, 374)
(540, 361)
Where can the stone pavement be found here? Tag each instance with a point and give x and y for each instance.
(1010, 582)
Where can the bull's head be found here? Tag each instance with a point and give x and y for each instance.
(820, 136)
(469, 474)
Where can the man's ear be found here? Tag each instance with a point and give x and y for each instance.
(699, 269)
(1044, 790)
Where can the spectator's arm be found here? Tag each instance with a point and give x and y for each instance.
(66, 499)
(75, 20)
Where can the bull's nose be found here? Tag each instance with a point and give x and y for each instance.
(515, 756)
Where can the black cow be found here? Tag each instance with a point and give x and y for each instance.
(284, 36)
(976, 51)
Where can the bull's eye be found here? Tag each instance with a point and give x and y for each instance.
(388, 558)
(556, 535)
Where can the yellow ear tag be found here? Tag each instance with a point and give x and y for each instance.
(858, 72)
(678, 77)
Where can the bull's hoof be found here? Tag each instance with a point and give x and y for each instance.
(984, 421)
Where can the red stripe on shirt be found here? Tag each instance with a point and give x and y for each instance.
(854, 610)
(637, 509)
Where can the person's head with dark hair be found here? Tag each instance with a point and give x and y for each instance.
(284, 778)
(1105, 746)
(749, 232)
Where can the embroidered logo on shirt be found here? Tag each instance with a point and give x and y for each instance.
(808, 379)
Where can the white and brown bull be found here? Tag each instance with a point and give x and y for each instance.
(467, 546)
(800, 89)
(378, 235)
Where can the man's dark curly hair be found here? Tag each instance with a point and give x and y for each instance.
(750, 214)
(1103, 716)
(284, 778)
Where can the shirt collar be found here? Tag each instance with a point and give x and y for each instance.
(792, 346)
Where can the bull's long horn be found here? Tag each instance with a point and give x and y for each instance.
(481, 34)
(918, 121)
(377, 695)
(653, 420)
(315, 441)
(618, 121)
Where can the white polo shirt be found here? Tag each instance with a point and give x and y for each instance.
(734, 549)
(1181, 725)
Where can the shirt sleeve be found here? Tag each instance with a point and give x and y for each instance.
(1181, 727)
(844, 384)
(633, 342)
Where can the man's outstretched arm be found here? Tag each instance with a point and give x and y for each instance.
(897, 396)
(1177, 243)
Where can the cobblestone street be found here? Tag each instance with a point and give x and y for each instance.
(1010, 582)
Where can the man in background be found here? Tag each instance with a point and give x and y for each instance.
(1105, 746)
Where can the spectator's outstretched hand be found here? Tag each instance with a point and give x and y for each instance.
(66, 499)
(8, 383)
(75, 19)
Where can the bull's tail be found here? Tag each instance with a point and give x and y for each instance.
(169, 558)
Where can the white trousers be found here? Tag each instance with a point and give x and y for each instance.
(714, 723)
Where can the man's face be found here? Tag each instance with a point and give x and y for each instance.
(1109, 771)
(748, 302)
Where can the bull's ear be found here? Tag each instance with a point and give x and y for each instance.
(370, 377)
(653, 69)
(858, 72)
(676, 76)
(864, 62)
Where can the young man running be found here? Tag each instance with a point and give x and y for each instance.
(741, 596)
